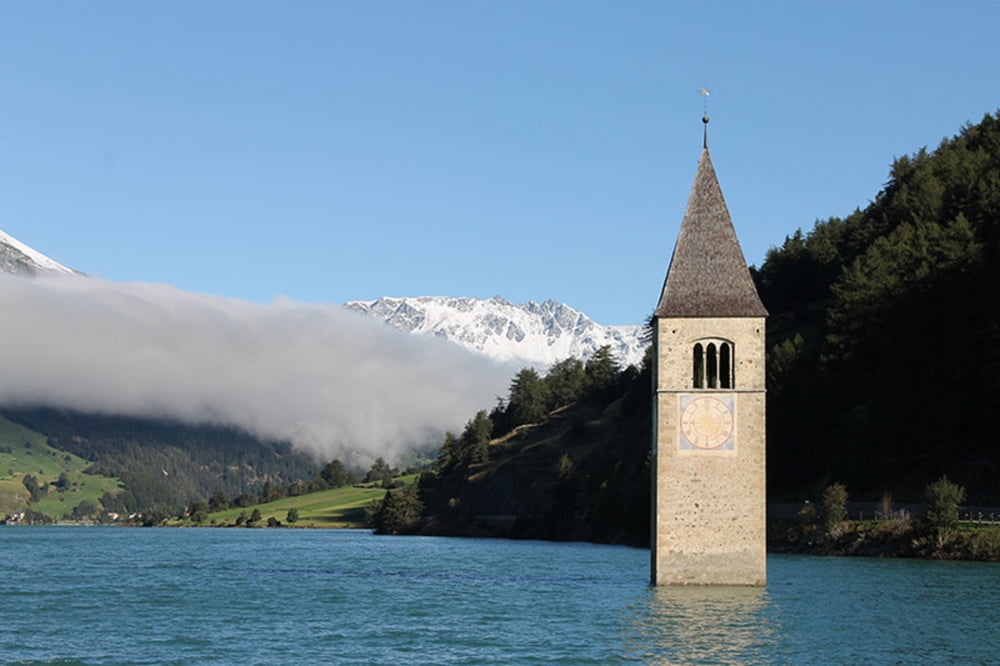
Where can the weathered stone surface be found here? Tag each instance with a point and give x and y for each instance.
(709, 505)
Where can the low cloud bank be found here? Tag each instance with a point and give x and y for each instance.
(333, 382)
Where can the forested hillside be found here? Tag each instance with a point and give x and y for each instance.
(564, 457)
(165, 465)
(884, 370)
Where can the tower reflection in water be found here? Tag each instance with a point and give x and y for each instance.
(717, 625)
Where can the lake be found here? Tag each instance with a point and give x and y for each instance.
(105, 595)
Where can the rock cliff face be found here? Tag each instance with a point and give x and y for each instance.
(536, 334)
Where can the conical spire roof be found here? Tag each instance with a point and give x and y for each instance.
(708, 276)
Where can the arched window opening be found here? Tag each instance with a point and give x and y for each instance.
(712, 363)
(725, 366)
(699, 367)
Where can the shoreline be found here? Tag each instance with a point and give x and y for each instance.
(967, 542)
(867, 539)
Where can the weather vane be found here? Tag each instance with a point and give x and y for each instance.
(704, 94)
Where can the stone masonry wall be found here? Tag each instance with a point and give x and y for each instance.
(709, 505)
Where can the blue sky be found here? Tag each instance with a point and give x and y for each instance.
(329, 151)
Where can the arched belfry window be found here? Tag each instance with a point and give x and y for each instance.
(712, 364)
(725, 365)
(699, 366)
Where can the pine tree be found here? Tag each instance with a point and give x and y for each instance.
(529, 396)
(379, 471)
(602, 370)
(566, 381)
(474, 444)
(399, 511)
(335, 475)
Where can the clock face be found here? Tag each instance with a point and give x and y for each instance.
(707, 423)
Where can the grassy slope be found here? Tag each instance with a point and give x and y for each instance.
(31, 455)
(339, 507)
(519, 492)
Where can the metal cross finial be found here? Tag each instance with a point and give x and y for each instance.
(704, 93)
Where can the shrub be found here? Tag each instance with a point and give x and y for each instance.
(32, 517)
(941, 501)
(807, 514)
(985, 545)
(31, 485)
(885, 509)
(85, 509)
(564, 468)
(833, 508)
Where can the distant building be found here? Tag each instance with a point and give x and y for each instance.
(15, 518)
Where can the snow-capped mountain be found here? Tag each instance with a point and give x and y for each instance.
(19, 259)
(537, 334)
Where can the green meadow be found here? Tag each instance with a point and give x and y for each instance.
(24, 452)
(61, 485)
(338, 507)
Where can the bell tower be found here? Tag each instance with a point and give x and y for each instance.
(708, 491)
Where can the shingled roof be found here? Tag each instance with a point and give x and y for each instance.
(708, 276)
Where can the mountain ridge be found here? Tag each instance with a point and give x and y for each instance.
(538, 334)
(19, 259)
(533, 333)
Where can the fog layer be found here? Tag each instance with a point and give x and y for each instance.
(334, 383)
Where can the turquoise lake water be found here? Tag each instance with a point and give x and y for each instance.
(74, 595)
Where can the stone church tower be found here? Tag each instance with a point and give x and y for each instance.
(708, 435)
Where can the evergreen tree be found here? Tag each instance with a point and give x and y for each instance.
(566, 381)
(601, 370)
(336, 475)
(380, 471)
(449, 455)
(529, 396)
(399, 512)
(474, 444)
(217, 502)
